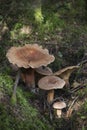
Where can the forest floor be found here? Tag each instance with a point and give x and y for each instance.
(66, 39)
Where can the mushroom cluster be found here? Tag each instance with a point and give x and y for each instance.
(31, 61)
(28, 58)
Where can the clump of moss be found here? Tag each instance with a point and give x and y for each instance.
(22, 116)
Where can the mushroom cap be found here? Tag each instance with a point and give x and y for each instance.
(70, 69)
(44, 70)
(51, 82)
(59, 105)
(30, 55)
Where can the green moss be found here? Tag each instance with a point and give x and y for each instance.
(22, 116)
(38, 15)
(13, 99)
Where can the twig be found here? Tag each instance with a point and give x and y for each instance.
(70, 109)
(77, 88)
(16, 82)
(73, 102)
(82, 62)
(49, 108)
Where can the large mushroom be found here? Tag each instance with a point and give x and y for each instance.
(27, 58)
(50, 83)
(65, 73)
(29, 55)
(58, 106)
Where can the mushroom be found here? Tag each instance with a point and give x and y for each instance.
(41, 72)
(28, 77)
(50, 83)
(59, 105)
(65, 73)
(27, 58)
(44, 70)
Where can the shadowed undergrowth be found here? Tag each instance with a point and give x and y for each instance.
(22, 115)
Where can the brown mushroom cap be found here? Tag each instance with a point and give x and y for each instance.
(70, 69)
(59, 105)
(29, 55)
(51, 82)
(44, 70)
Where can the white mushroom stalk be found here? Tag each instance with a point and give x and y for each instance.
(59, 113)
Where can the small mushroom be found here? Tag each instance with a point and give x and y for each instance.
(44, 70)
(65, 73)
(59, 105)
(41, 72)
(50, 83)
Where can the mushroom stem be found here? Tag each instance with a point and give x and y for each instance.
(50, 96)
(65, 77)
(28, 76)
(59, 113)
(67, 83)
